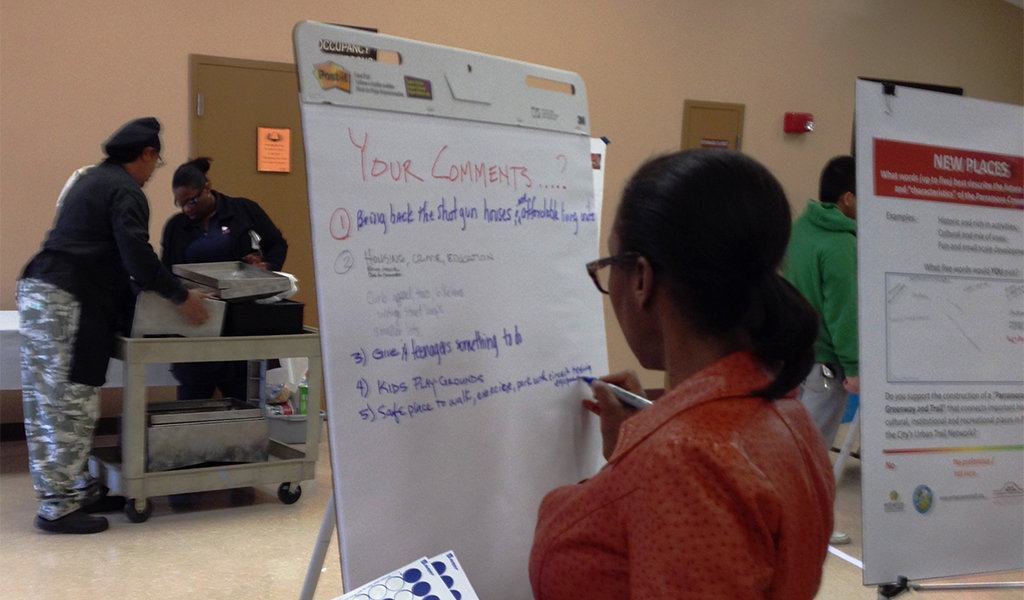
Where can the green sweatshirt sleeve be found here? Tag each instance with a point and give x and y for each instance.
(839, 301)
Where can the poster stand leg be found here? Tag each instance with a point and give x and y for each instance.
(316, 562)
(891, 590)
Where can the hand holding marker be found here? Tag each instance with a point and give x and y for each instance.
(627, 398)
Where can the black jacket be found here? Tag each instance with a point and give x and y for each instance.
(240, 215)
(98, 246)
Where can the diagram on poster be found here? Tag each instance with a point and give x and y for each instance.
(929, 317)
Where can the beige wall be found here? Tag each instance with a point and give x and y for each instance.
(71, 72)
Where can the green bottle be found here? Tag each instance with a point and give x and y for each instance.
(303, 392)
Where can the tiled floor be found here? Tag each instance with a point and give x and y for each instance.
(222, 548)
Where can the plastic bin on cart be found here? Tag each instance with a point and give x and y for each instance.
(288, 429)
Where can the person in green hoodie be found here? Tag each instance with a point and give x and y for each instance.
(822, 264)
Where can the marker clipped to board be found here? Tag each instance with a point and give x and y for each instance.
(627, 398)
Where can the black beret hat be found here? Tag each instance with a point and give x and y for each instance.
(134, 136)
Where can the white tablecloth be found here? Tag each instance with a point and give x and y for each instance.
(10, 360)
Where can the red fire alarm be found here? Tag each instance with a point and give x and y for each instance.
(798, 123)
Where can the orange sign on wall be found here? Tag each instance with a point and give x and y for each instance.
(273, 149)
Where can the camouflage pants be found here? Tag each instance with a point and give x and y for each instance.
(59, 415)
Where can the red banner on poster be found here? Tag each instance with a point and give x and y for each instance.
(938, 174)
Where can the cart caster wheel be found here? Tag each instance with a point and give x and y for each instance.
(286, 495)
(134, 515)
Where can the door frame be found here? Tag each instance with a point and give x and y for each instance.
(196, 60)
(688, 104)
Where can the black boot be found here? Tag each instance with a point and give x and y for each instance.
(76, 522)
(105, 504)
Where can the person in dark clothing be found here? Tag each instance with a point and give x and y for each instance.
(212, 227)
(74, 297)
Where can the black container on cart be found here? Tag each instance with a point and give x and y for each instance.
(253, 318)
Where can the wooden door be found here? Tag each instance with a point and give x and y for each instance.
(712, 125)
(231, 99)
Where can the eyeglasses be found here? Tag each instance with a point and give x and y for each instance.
(190, 203)
(159, 161)
(596, 268)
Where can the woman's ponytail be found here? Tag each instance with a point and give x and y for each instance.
(782, 326)
(192, 174)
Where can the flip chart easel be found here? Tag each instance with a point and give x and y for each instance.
(452, 211)
(316, 562)
(940, 222)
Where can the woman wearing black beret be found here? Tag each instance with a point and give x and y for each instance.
(74, 296)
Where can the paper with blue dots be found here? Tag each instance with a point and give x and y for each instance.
(438, 578)
(447, 566)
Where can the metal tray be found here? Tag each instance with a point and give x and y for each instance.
(192, 411)
(179, 445)
(159, 317)
(233, 280)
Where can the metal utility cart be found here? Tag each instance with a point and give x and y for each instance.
(124, 471)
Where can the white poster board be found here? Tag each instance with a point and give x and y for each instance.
(452, 214)
(940, 220)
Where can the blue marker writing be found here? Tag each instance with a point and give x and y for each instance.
(627, 398)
